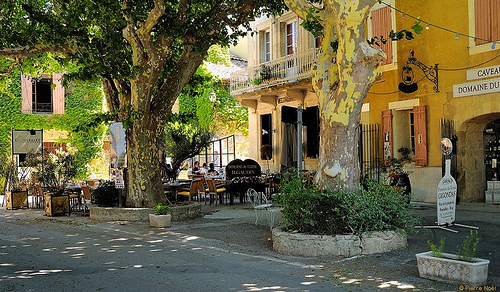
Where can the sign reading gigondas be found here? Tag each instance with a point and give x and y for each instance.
(446, 197)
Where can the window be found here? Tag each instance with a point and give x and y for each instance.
(381, 25)
(266, 132)
(267, 46)
(42, 95)
(264, 46)
(487, 21)
(291, 38)
(406, 127)
(311, 121)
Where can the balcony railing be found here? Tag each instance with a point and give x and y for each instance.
(42, 107)
(291, 68)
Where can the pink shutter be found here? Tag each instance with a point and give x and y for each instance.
(57, 94)
(487, 22)
(482, 20)
(26, 94)
(387, 132)
(495, 20)
(420, 125)
(382, 26)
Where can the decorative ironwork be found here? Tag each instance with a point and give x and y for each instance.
(284, 70)
(431, 73)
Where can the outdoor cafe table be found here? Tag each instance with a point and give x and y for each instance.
(174, 186)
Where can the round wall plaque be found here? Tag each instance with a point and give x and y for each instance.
(446, 146)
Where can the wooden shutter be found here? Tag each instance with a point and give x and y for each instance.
(420, 125)
(487, 22)
(382, 26)
(26, 94)
(387, 132)
(57, 94)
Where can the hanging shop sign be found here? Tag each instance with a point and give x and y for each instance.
(476, 88)
(492, 71)
(26, 141)
(118, 145)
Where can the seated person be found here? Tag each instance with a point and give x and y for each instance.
(204, 169)
(211, 170)
(196, 168)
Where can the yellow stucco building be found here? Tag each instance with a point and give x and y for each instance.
(451, 69)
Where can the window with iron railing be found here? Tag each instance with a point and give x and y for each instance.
(42, 95)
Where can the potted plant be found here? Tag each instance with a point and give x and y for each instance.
(397, 176)
(460, 268)
(161, 216)
(266, 153)
(54, 171)
(18, 184)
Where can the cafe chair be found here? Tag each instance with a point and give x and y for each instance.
(38, 196)
(87, 198)
(260, 202)
(213, 191)
(75, 199)
(196, 188)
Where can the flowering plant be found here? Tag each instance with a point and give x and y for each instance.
(54, 170)
(246, 180)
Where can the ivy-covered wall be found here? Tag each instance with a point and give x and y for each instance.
(82, 101)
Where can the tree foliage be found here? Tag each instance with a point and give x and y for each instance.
(144, 53)
(184, 138)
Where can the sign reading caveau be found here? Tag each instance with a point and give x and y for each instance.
(26, 141)
(483, 72)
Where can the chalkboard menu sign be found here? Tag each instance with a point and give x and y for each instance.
(239, 168)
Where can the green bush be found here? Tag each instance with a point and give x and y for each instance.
(376, 207)
(105, 195)
(467, 250)
(160, 209)
(437, 250)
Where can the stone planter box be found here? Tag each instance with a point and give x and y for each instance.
(307, 245)
(160, 220)
(450, 270)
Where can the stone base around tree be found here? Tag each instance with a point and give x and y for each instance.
(306, 245)
(178, 213)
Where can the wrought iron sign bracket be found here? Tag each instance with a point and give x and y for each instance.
(431, 73)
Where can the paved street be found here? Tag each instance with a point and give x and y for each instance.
(223, 251)
(46, 254)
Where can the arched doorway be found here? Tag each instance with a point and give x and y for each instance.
(472, 153)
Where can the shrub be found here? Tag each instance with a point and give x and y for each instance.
(437, 251)
(377, 207)
(160, 209)
(105, 195)
(467, 250)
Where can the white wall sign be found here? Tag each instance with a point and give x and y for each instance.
(446, 197)
(483, 72)
(25, 141)
(476, 88)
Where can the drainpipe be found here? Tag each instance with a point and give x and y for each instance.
(299, 140)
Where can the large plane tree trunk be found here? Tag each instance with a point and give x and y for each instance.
(143, 175)
(345, 68)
